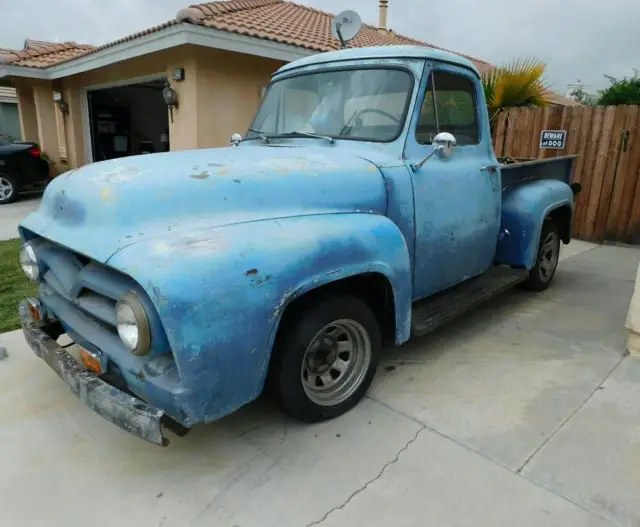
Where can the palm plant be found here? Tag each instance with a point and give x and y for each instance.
(517, 84)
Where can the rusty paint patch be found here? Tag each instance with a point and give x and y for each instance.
(105, 194)
(251, 272)
(157, 294)
(118, 174)
(201, 175)
(261, 281)
(277, 311)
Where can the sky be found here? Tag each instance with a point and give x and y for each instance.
(577, 39)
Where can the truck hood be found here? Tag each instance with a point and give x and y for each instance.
(101, 208)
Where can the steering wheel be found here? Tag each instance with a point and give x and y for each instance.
(381, 112)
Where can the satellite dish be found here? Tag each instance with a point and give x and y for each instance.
(346, 26)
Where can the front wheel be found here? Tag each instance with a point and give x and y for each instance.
(326, 359)
(547, 261)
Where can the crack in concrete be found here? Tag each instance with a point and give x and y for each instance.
(568, 418)
(373, 480)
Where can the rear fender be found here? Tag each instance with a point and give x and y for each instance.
(524, 210)
(221, 293)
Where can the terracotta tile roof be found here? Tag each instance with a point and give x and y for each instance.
(39, 54)
(6, 55)
(305, 27)
(121, 40)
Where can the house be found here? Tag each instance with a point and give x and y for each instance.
(217, 56)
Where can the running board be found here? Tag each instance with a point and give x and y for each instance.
(433, 312)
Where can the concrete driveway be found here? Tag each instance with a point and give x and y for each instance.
(12, 214)
(523, 413)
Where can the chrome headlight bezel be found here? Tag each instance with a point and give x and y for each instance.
(132, 324)
(29, 262)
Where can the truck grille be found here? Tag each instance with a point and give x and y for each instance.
(81, 293)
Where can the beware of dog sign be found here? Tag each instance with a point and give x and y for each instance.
(553, 139)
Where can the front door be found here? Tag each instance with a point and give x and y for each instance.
(457, 200)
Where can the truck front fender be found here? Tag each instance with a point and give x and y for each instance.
(524, 210)
(220, 293)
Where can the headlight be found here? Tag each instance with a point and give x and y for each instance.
(29, 262)
(132, 324)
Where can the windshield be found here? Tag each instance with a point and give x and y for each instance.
(363, 104)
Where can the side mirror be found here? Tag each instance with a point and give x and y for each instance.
(444, 144)
(235, 139)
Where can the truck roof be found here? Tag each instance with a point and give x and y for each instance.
(378, 52)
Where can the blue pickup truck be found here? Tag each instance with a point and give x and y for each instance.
(365, 205)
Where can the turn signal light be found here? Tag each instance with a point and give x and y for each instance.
(34, 308)
(91, 362)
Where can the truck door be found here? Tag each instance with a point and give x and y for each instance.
(457, 200)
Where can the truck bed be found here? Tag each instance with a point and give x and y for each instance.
(516, 171)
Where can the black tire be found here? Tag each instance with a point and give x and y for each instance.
(543, 271)
(8, 181)
(295, 386)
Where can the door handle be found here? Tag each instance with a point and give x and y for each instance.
(492, 169)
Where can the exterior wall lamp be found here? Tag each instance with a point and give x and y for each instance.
(170, 97)
(64, 107)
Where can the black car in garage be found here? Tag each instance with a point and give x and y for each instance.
(22, 168)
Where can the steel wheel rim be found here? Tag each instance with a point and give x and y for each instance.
(336, 362)
(549, 257)
(6, 189)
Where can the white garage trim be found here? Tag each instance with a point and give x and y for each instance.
(127, 82)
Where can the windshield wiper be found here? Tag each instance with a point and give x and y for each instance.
(304, 134)
(259, 135)
(348, 126)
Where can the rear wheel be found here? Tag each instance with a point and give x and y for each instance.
(547, 260)
(8, 189)
(326, 359)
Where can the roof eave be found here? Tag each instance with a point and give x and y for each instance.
(7, 70)
(166, 38)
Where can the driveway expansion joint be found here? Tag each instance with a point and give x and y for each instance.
(569, 417)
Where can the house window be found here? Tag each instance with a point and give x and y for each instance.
(454, 111)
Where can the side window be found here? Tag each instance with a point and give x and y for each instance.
(453, 109)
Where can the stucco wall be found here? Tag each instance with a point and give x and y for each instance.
(219, 95)
(229, 87)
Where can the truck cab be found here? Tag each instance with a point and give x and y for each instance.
(363, 205)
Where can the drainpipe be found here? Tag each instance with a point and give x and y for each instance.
(384, 5)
